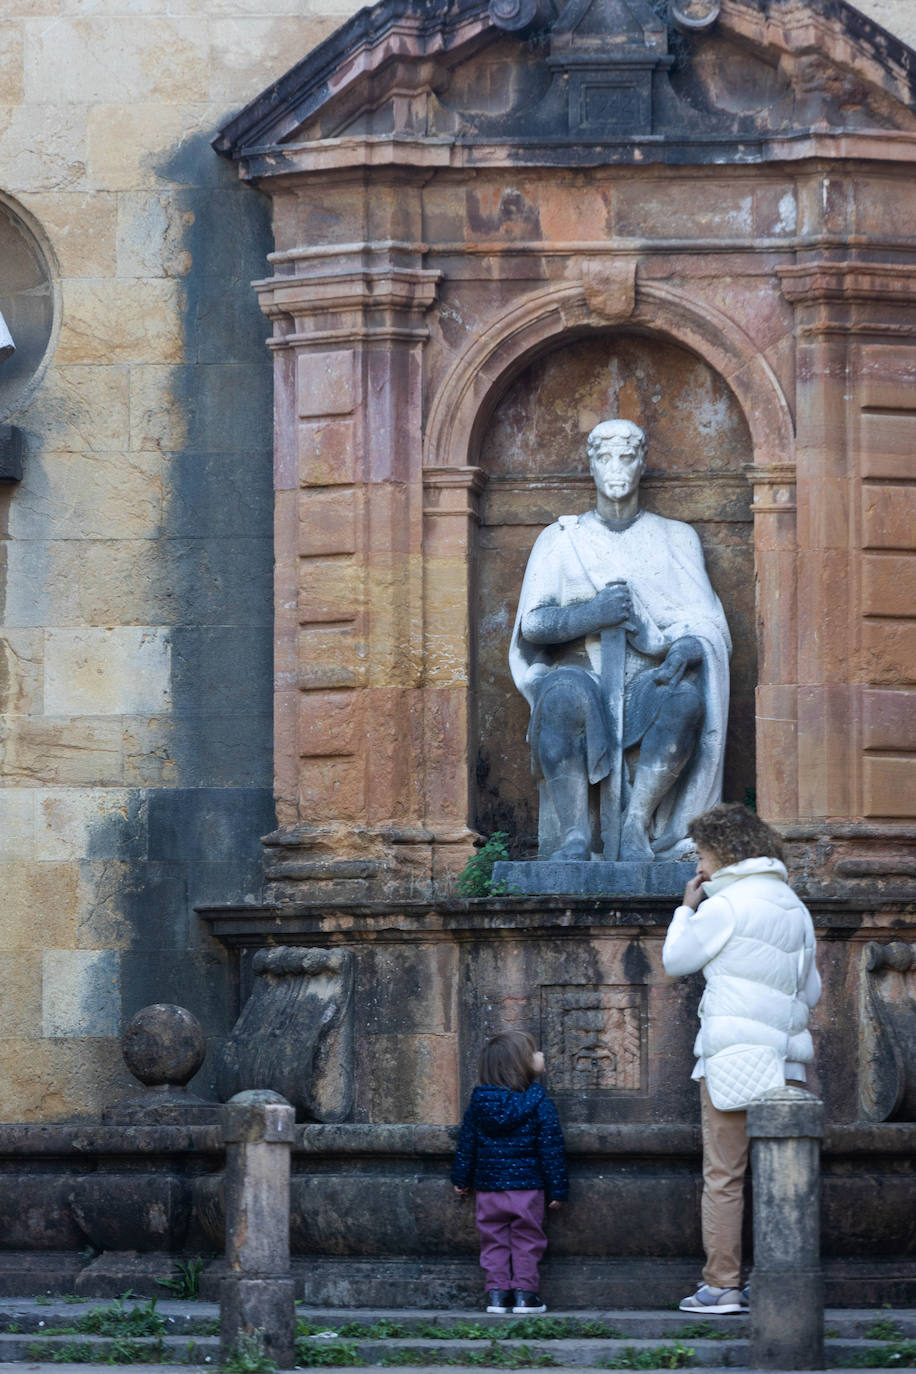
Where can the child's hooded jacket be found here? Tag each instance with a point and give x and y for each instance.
(511, 1140)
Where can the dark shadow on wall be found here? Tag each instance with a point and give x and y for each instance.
(193, 835)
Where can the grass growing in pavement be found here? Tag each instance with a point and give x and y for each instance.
(898, 1355)
(72, 1352)
(652, 1357)
(521, 1328)
(493, 1355)
(884, 1329)
(313, 1353)
(120, 1351)
(117, 1320)
(705, 1331)
(374, 1331)
(249, 1356)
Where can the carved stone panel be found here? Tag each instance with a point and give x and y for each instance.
(594, 1037)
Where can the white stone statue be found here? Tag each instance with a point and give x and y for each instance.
(621, 649)
(7, 347)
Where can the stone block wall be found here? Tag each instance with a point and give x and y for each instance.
(135, 553)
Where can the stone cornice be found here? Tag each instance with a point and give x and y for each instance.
(471, 478)
(319, 293)
(358, 154)
(819, 282)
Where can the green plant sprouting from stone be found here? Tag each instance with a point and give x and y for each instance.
(249, 1356)
(184, 1281)
(476, 878)
(312, 1354)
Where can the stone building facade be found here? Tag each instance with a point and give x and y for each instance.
(136, 676)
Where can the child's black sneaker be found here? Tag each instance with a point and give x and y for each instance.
(499, 1300)
(528, 1304)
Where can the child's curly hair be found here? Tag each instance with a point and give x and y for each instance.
(734, 833)
(506, 1061)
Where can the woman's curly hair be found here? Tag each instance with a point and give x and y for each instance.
(734, 833)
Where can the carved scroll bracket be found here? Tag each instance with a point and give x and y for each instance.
(295, 1033)
(887, 1078)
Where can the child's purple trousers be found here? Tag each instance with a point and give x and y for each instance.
(512, 1240)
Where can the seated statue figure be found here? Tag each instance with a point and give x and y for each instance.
(622, 651)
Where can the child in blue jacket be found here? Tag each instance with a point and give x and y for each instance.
(510, 1150)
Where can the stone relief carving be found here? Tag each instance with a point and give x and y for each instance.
(887, 1079)
(594, 1037)
(295, 1033)
(621, 649)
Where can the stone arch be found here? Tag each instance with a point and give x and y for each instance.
(28, 301)
(481, 374)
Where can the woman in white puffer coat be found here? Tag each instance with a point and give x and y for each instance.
(754, 940)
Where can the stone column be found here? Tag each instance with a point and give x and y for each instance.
(856, 363)
(776, 560)
(256, 1299)
(787, 1286)
(349, 333)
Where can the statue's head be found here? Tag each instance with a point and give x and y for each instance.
(616, 457)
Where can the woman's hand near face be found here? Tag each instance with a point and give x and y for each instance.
(693, 893)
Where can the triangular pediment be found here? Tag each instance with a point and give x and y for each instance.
(697, 80)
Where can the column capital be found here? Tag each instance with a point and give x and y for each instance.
(784, 1113)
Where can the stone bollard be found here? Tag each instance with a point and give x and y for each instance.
(256, 1297)
(787, 1285)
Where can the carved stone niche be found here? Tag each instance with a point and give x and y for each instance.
(295, 1033)
(887, 1079)
(460, 193)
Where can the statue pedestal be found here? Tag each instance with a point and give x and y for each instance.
(661, 878)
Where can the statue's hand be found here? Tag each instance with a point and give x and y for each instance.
(680, 656)
(671, 671)
(551, 624)
(611, 606)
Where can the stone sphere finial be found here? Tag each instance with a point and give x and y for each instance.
(164, 1045)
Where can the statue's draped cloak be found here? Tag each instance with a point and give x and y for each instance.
(662, 562)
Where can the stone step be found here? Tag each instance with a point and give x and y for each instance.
(127, 1332)
(31, 1347)
(631, 1323)
(193, 1368)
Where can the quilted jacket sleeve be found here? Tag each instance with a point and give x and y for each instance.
(465, 1151)
(696, 937)
(552, 1152)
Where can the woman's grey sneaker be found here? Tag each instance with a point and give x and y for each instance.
(715, 1302)
(500, 1300)
(528, 1303)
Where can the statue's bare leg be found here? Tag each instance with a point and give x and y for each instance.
(562, 756)
(666, 749)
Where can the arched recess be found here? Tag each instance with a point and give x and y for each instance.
(553, 334)
(480, 376)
